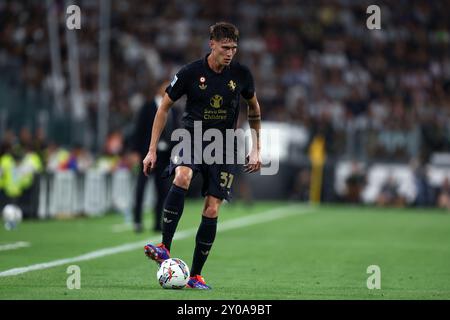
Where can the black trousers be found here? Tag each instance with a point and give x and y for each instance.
(161, 185)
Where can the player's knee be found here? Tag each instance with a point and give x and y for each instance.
(211, 212)
(182, 180)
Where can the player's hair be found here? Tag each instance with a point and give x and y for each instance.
(223, 30)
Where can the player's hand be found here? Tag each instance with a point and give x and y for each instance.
(149, 162)
(253, 162)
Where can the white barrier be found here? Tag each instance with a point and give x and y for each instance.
(379, 173)
(63, 195)
(95, 193)
(437, 175)
(43, 198)
(68, 194)
(122, 190)
(343, 171)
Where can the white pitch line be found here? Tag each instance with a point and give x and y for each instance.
(253, 219)
(13, 246)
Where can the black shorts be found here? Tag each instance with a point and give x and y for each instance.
(217, 177)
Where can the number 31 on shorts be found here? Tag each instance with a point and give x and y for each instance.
(227, 179)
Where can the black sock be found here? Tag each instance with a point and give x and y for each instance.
(203, 242)
(173, 209)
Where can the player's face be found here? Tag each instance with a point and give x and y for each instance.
(223, 51)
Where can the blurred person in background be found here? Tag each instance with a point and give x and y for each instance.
(80, 160)
(301, 185)
(389, 194)
(241, 181)
(30, 168)
(355, 183)
(111, 158)
(443, 198)
(425, 193)
(7, 164)
(56, 157)
(40, 143)
(20, 167)
(141, 141)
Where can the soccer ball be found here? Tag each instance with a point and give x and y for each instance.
(12, 216)
(173, 274)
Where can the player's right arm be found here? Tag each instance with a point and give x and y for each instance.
(158, 126)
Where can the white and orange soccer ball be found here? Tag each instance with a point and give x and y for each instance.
(173, 274)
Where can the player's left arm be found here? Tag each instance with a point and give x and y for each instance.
(254, 120)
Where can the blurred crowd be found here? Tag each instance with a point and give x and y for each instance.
(29, 165)
(27, 156)
(51, 158)
(382, 93)
(373, 94)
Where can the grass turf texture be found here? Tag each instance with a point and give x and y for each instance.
(323, 254)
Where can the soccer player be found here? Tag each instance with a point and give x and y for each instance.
(213, 86)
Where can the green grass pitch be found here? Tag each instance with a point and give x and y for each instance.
(279, 251)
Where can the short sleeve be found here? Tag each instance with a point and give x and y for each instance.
(248, 90)
(178, 85)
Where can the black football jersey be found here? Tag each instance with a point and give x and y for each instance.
(212, 98)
